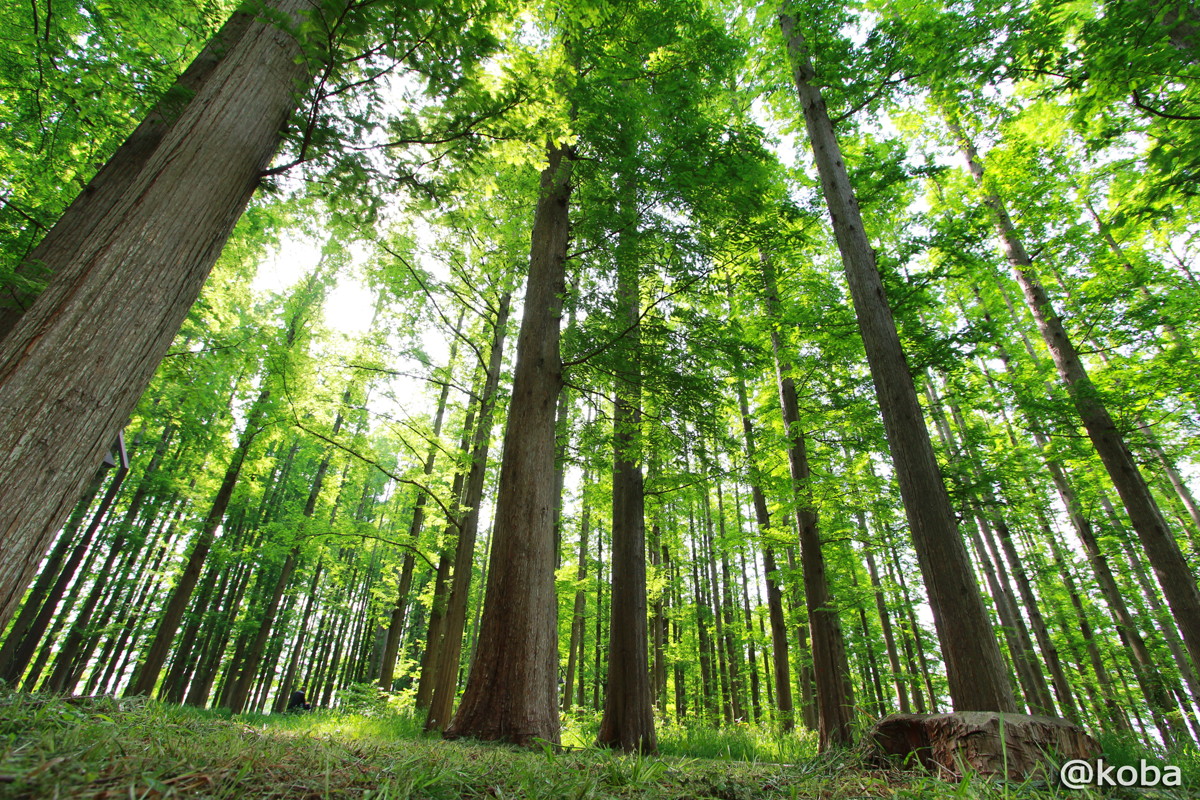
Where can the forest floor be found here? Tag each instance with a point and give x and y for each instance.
(101, 748)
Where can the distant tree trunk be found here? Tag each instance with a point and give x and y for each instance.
(247, 670)
(387, 667)
(445, 679)
(38, 595)
(835, 692)
(435, 627)
(708, 693)
(751, 647)
(77, 362)
(1174, 575)
(598, 652)
(779, 634)
(870, 671)
(919, 666)
(575, 649)
(659, 559)
(50, 609)
(974, 666)
(708, 566)
(151, 665)
(289, 676)
(885, 622)
(730, 638)
(512, 691)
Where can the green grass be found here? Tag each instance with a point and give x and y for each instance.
(97, 749)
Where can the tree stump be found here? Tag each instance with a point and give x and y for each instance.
(977, 741)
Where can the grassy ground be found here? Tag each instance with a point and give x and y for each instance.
(103, 748)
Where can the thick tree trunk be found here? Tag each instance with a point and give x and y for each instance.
(512, 691)
(628, 719)
(105, 190)
(974, 666)
(75, 365)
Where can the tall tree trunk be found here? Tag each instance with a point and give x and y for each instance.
(50, 607)
(835, 690)
(628, 719)
(289, 675)
(38, 595)
(575, 649)
(445, 683)
(885, 623)
(248, 669)
(703, 613)
(512, 692)
(779, 634)
(974, 666)
(708, 565)
(387, 668)
(105, 190)
(146, 676)
(77, 362)
(1174, 575)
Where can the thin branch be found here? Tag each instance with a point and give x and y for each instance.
(385, 540)
(374, 463)
(1138, 102)
(612, 342)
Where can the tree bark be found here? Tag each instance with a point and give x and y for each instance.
(445, 679)
(73, 368)
(974, 666)
(512, 691)
(105, 190)
(835, 694)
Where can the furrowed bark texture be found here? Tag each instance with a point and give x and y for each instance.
(75, 365)
(974, 667)
(511, 693)
(90, 207)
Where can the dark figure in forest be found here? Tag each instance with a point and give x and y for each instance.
(297, 702)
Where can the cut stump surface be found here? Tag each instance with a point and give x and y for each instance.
(977, 741)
